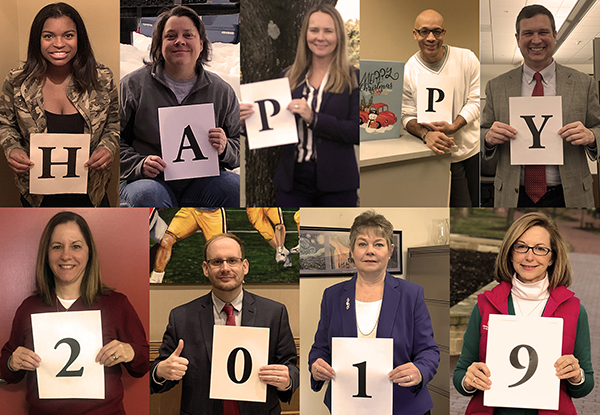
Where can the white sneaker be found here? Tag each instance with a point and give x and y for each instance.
(288, 261)
(295, 250)
(156, 277)
(281, 254)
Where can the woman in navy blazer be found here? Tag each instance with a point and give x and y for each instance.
(321, 169)
(385, 307)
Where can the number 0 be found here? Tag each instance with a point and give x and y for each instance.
(75, 349)
(231, 365)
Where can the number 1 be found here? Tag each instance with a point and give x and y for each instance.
(362, 380)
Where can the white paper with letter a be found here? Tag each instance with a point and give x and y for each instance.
(521, 352)
(68, 344)
(184, 141)
(237, 354)
(58, 163)
(361, 384)
(435, 94)
(537, 121)
(271, 124)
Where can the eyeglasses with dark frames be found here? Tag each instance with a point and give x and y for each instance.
(425, 32)
(218, 262)
(521, 248)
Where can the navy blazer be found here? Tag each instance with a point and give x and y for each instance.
(403, 317)
(193, 322)
(335, 133)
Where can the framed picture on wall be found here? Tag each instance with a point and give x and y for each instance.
(326, 251)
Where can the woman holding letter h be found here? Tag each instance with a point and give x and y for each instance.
(60, 89)
(68, 280)
(374, 304)
(534, 271)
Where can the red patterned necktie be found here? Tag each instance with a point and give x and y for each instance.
(230, 407)
(535, 176)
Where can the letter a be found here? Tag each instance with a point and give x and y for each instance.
(187, 132)
(430, 100)
(534, 131)
(263, 112)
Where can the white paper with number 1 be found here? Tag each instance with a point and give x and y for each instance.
(361, 383)
(68, 344)
(521, 352)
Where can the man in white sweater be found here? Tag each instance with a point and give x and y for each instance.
(462, 67)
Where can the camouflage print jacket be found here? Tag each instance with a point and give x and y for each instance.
(22, 113)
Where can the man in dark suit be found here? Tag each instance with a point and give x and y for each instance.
(186, 351)
(567, 185)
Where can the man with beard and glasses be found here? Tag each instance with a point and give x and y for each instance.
(186, 351)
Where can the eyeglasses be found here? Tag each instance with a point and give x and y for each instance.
(537, 250)
(425, 32)
(218, 262)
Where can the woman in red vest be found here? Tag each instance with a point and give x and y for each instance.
(534, 271)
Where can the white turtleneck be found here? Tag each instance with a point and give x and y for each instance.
(530, 299)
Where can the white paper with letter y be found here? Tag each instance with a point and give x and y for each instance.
(361, 384)
(68, 344)
(521, 352)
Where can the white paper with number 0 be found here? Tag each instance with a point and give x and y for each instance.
(544, 336)
(226, 339)
(361, 384)
(82, 328)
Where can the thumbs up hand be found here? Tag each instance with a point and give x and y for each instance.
(174, 367)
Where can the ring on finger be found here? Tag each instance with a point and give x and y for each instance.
(20, 364)
(296, 106)
(474, 379)
(411, 378)
(317, 368)
(277, 379)
(573, 367)
(115, 357)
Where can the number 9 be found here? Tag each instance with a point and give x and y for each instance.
(531, 368)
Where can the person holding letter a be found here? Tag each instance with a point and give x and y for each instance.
(176, 76)
(567, 185)
(68, 279)
(534, 271)
(462, 67)
(321, 170)
(60, 89)
(186, 350)
(376, 304)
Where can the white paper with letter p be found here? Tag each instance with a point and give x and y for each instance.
(435, 94)
(271, 124)
(537, 121)
(184, 141)
(238, 353)
(361, 384)
(68, 344)
(58, 163)
(521, 352)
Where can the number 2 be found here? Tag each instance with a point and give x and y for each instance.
(75, 349)
(531, 367)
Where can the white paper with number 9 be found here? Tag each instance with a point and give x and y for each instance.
(361, 384)
(60, 374)
(523, 381)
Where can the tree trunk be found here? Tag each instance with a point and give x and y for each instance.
(269, 31)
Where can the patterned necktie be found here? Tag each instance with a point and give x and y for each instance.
(535, 176)
(230, 407)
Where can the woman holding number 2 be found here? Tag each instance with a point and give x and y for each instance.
(534, 271)
(67, 280)
(374, 304)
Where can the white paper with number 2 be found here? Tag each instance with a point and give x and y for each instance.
(50, 331)
(544, 336)
(348, 396)
(227, 344)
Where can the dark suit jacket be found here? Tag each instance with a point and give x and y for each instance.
(193, 322)
(579, 103)
(403, 317)
(335, 132)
